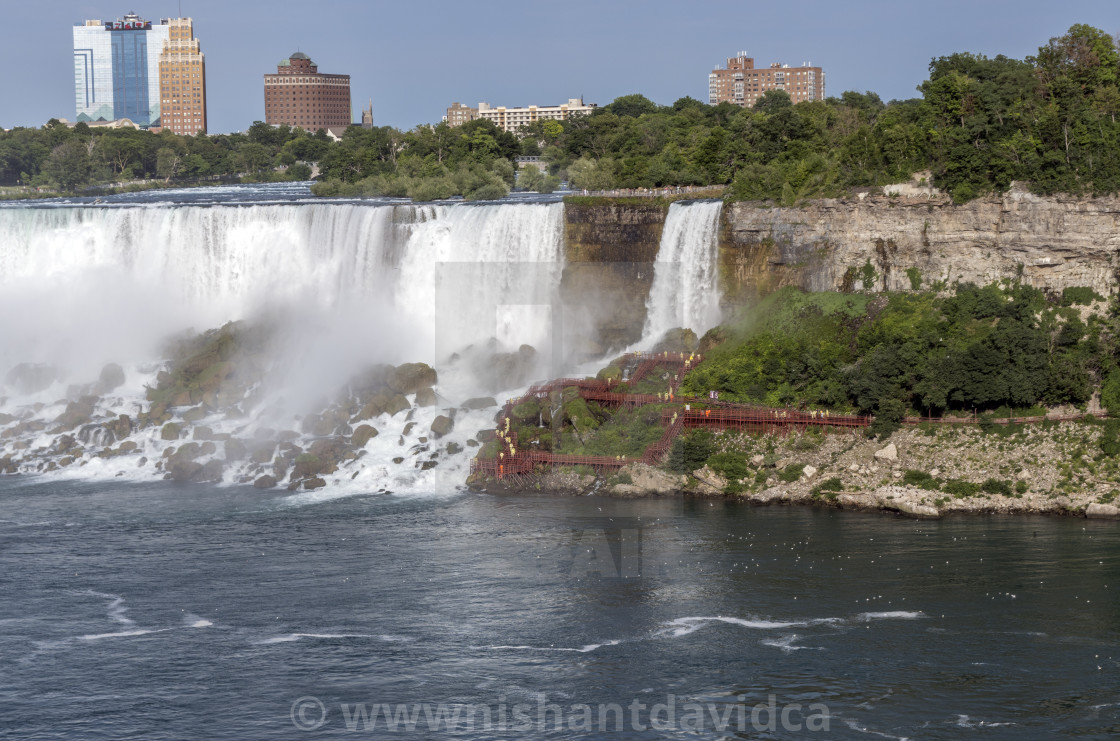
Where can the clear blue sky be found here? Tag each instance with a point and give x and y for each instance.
(415, 58)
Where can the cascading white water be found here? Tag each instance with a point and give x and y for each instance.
(203, 266)
(685, 290)
(80, 287)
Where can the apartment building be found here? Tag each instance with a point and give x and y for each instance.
(512, 119)
(743, 84)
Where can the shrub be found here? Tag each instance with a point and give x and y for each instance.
(691, 451)
(1079, 295)
(920, 479)
(960, 488)
(729, 465)
(996, 486)
(791, 473)
(488, 192)
(827, 488)
(1109, 441)
(915, 277)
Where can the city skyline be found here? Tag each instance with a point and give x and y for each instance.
(411, 61)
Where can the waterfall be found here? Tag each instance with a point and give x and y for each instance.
(202, 266)
(685, 290)
(355, 285)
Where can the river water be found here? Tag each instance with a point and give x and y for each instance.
(147, 610)
(164, 611)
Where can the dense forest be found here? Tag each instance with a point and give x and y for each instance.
(978, 125)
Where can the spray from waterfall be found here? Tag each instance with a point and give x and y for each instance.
(340, 287)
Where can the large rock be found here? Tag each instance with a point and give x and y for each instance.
(677, 341)
(112, 376)
(486, 402)
(235, 450)
(77, 413)
(889, 453)
(265, 482)
(212, 471)
(809, 472)
(332, 451)
(121, 427)
(362, 435)
(442, 425)
(184, 470)
(194, 414)
(261, 451)
(710, 481)
(1097, 511)
(31, 378)
(411, 377)
(397, 404)
(188, 452)
(170, 431)
(648, 481)
(426, 398)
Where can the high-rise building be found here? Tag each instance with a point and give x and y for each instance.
(299, 95)
(740, 83)
(116, 69)
(512, 119)
(182, 79)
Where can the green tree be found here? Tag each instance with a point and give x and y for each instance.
(68, 165)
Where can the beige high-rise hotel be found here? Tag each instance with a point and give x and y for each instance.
(182, 80)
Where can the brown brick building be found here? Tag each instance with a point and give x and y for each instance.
(299, 95)
(182, 80)
(740, 83)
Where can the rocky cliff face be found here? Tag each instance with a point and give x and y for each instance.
(610, 248)
(1051, 243)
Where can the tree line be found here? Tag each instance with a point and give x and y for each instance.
(1049, 120)
(69, 158)
(975, 349)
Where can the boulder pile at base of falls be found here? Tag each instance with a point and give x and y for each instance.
(210, 414)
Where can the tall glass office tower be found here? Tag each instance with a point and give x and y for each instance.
(116, 70)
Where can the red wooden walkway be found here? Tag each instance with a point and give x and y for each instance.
(712, 413)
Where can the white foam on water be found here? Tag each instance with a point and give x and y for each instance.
(964, 721)
(582, 649)
(292, 637)
(890, 615)
(855, 726)
(121, 634)
(786, 644)
(686, 625)
(116, 609)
